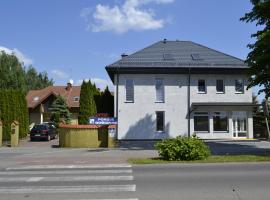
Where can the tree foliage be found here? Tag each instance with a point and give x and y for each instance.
(13, 75)
(259, 123)
(107, 102)
(13, 107)
(259, 57)
(59, 111)
(87, 102)
(92, 101)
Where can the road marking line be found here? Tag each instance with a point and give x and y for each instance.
(32, 179)
(75, 172)
(68, 189)
(32, 167)
(66, 178)
(105, 199)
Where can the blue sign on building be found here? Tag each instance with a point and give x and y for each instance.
(102, 120)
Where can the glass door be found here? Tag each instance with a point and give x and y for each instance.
(239, 124)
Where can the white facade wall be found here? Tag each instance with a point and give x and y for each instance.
(137, 120)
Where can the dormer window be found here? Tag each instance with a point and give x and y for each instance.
(76, 98)
(36, 98)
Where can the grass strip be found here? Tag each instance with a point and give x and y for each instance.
(211, 159)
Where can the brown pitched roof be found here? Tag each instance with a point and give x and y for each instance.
(36, 97)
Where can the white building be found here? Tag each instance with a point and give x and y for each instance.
(176, 88)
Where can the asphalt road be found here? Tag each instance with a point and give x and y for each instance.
(203, 181)
(122, 181)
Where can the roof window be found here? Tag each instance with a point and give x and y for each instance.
(76, 98)
(36, 98)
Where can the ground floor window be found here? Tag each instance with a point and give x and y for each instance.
(220, 120)
(201, 122)
(160, 119)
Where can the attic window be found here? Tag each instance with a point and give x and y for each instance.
(76, 99)
(168, 56)
(36, 98)
(196, 56)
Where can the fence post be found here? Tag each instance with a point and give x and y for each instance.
(14, 138)
(111, 136)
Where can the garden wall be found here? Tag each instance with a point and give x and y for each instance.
(86, 136)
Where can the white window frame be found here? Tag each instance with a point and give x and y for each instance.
(201, 114)
(126, 90)
(223, 87)
(239, 92)
(222, 113)
(160, 131)
(162, 90)
(205, 88)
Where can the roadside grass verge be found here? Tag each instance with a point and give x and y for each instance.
(210, 159)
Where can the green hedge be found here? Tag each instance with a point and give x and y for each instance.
(183, 148)
(13, 106)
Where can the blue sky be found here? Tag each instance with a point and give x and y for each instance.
(76, 39)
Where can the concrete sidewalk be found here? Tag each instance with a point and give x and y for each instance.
(21, 156)
(48, 153)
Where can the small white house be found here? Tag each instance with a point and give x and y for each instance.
(173, 88)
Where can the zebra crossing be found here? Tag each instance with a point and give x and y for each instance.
(69, 182)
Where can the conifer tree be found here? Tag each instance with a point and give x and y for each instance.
(107, 102)
(13, 107)
(59, 111)
(87, 102)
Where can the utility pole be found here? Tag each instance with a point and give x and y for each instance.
(266, 115)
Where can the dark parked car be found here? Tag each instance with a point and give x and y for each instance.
(45, 131)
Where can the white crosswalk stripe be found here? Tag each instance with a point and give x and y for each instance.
(69, 166)
(69, 179)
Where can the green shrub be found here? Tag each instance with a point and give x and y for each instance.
(13, 106)
(183, 148)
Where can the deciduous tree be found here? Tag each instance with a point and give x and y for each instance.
(259, 57)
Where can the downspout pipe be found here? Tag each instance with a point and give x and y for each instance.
(188, 101)
(116, 109)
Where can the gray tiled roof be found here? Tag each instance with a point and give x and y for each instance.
(178, 54)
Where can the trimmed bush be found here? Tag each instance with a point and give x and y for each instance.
(13, 106)
(183, 148)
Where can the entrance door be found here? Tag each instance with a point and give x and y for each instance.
(239, 124)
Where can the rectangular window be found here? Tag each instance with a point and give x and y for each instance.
(201, 122)
(159, 90)
(201, 86)
(220, 86)
(160, 121)
(76, 99)
(129, 90)
(239, 86)
(220, 120)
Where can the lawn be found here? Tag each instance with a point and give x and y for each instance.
(211, 159)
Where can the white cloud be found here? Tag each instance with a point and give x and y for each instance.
(21, 57)
(120, 19)
(100, 83)
(59, 74)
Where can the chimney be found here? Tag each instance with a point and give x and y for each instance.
(124, 55)
(69, 85)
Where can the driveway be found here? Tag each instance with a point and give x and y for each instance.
(42, 143)
(242, 147)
